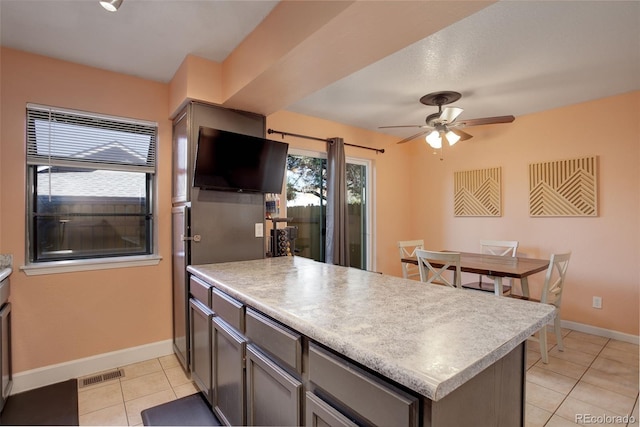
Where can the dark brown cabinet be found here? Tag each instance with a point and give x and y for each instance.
(367, 397)
(180, 289)
(200, 327)
(5, 354)
(229, 387)
(207, 226)
(319, 413)
(281, 343)
(273, 395)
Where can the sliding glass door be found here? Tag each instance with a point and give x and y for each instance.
(306, 204)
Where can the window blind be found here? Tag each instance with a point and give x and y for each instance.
(68, 138)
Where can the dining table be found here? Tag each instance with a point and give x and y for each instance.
(496, 266)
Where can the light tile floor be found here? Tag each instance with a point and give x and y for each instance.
(594, 381)
(595, 378)
(146, 384)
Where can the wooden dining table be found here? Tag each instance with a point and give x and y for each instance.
(496, 266)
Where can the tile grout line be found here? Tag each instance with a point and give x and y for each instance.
(164, 371)
(175, 396)
(577, 382)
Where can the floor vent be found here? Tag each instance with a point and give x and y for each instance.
(99, 378)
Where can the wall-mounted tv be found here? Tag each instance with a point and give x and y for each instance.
(231, 161)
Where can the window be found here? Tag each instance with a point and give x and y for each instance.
(306, 204)
(90, 185)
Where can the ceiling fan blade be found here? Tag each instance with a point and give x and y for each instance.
(449, 114)
(462, 134)
(402, 126)
(414, 136)
(487, 121)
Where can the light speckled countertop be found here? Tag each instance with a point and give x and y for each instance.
(6, 262)
(430, 338)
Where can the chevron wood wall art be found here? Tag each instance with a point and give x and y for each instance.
(564, 188)
(477, 192)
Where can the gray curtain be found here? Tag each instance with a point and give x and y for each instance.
(337, 245)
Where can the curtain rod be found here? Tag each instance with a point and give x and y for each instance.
(270, 131)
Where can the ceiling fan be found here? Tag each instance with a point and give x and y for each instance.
(443, 124)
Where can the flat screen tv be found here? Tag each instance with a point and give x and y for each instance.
(231, 161)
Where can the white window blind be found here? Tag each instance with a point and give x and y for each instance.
(68, 138)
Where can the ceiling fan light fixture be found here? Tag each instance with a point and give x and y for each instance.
(111, 5)
(452, 137)
(449, 114)
(434, 140)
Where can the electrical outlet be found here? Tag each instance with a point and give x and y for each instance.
(597, 302)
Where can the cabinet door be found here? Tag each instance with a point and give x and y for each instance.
(201, 346)
(179, 260)
(5, 343)
(180, 160)
(320, 414)
(273, 396)
(229, 388)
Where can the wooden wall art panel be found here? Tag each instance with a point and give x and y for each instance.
(477, 192)
(564, 188)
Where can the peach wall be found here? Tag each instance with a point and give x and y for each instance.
(198, 79)
(605, 250)
(62, 317)
(3, 177)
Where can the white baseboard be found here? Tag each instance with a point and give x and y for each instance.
(601, 332)
(27, 380)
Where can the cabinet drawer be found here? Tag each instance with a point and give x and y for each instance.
(200, 290)
(228, 308)
(320, 413)
(283, 343)
(378, 402)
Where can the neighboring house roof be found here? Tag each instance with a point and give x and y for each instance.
(112, 152)
(92, 183)
(66, 181)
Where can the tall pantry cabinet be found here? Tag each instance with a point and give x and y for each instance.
(207, 226)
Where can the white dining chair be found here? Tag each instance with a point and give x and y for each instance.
(494, 247)
(407, 249)
(552, 294)
(431, 274)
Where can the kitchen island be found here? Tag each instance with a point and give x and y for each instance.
(445, 356)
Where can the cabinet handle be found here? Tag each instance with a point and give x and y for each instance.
(195, 238)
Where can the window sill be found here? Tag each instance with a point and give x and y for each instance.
(55, 267)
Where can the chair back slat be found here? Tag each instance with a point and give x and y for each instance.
(407, 249)
(499, 247)
(431, 274)
(555, 278)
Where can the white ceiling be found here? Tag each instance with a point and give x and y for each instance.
(145, 38)
(514, 57)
